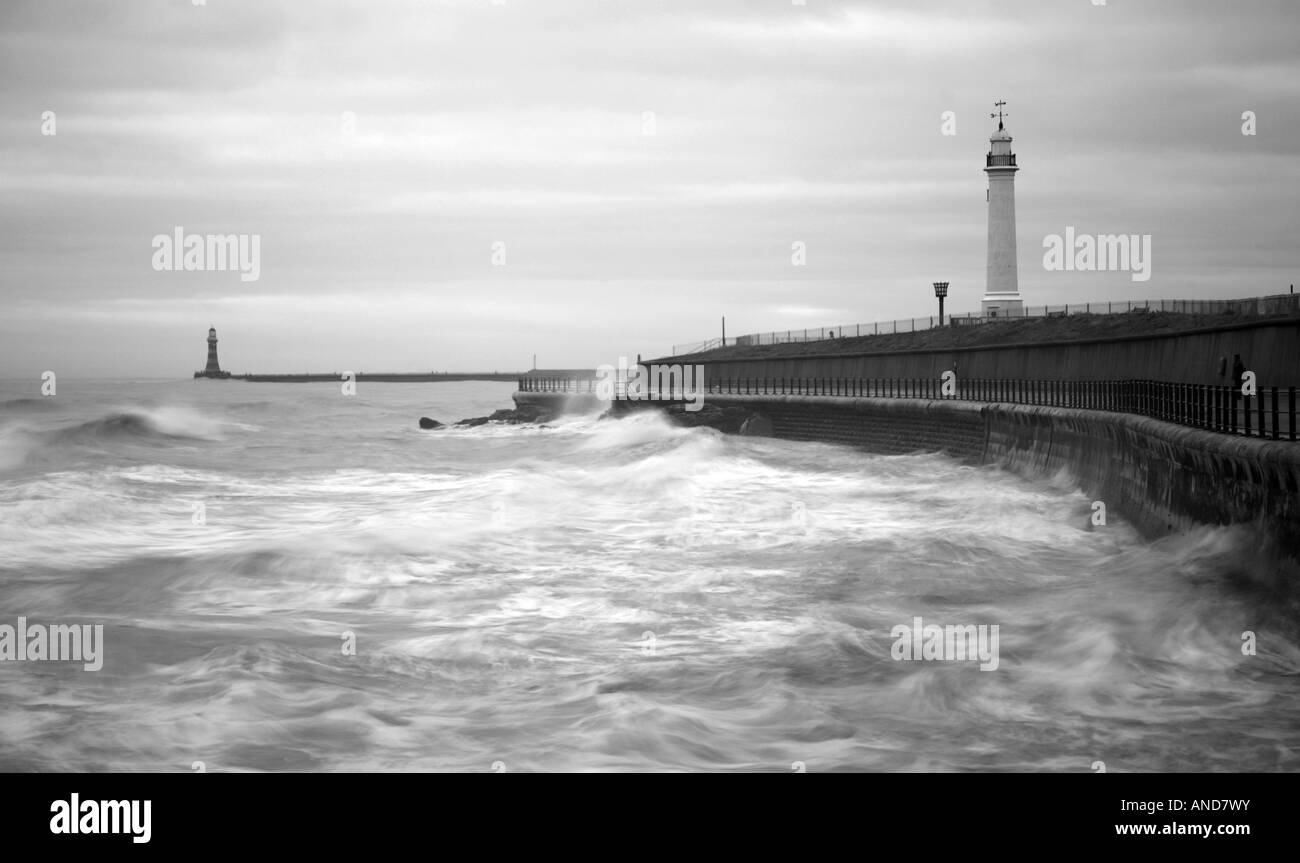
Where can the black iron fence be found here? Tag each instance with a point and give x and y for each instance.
(1269, 413)
(557, 385)
(1275, 304)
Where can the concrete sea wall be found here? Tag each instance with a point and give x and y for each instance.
(1160, 476)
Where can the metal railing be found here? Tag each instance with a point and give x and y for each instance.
(1270, 413)
(557, 385)
(1274, 304)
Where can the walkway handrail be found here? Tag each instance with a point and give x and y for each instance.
(1269, 413)
(1268, 305)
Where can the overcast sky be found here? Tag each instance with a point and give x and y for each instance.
(624, 231)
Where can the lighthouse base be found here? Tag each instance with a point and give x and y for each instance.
(1002, 307)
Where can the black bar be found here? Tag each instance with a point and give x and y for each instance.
(1277, 433)
(182, 815)
(1290, 409)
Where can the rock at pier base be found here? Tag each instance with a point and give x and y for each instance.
(426, 423)
(523, 414)
(724, 419)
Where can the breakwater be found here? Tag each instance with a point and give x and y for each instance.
(1160, 475)
(373, 377)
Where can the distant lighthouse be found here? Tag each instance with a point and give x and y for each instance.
(213, 368)
(1001, 287)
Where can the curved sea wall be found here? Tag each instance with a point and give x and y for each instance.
(1162, 477)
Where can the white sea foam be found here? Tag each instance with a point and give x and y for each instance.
(601, 594)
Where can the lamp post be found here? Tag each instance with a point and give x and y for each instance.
(941, 291)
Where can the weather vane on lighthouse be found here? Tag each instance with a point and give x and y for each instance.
(999, 105)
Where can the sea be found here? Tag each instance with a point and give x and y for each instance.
(291, 578)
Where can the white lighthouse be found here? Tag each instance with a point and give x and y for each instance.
(1001, 287)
